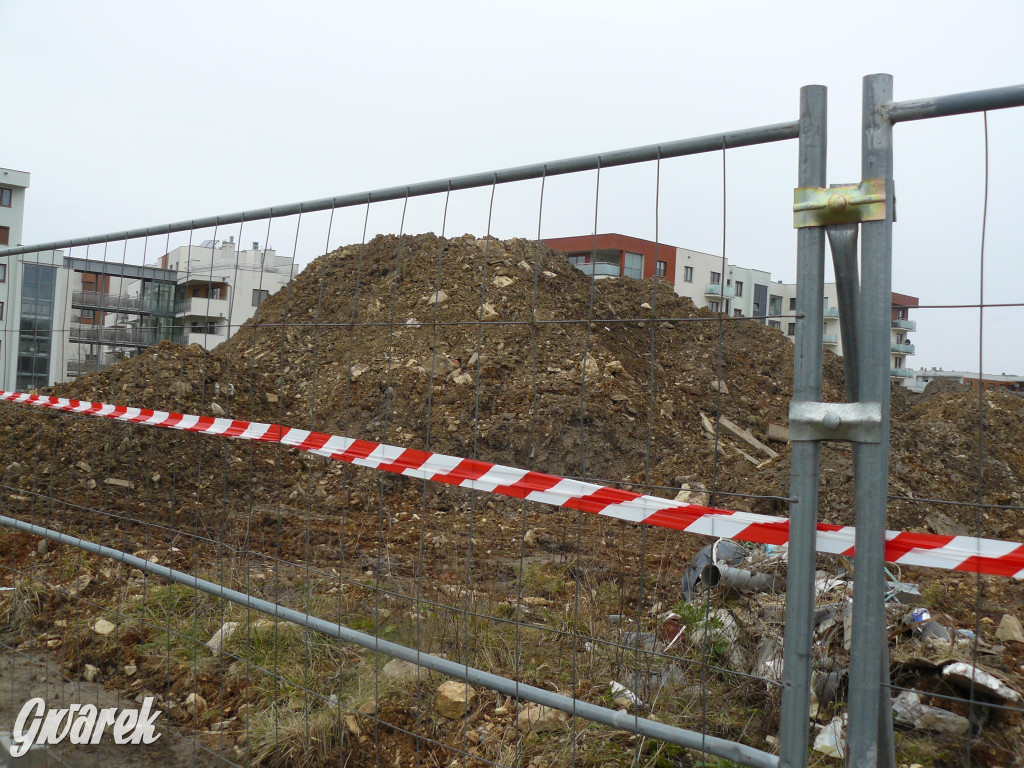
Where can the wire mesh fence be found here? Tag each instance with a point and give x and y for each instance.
(398, 562)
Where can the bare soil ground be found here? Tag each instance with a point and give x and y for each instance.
(606, 380)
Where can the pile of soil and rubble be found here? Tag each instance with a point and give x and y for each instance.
(613, 380)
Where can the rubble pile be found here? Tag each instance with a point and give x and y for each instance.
(502, 351)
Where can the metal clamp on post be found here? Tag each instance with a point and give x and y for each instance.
(819, 207)
(851, 422)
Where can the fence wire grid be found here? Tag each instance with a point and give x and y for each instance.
(287, 609)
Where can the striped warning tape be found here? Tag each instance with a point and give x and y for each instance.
(959, 553)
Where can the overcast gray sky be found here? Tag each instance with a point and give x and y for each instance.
(131, 114)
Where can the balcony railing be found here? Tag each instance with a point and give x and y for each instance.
(829, 339)
(717, 289)
(113, 302)
(114, 337)
(830, 313)
(599, 269)
(903, 349)
(901, 373)
(78, 367)
(905, 325)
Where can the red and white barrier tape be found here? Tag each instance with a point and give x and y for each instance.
(958, 553)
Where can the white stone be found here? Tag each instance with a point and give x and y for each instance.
(216, 642)
(103, 627)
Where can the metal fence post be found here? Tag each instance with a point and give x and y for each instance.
(870, 716)
(807, 361)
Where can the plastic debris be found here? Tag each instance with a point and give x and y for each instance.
(623, 695)
(908, 710)
(723, 551)
(832, 739)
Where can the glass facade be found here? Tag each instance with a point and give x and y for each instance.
(36, 327)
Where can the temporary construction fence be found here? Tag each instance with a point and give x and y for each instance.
(463, 581)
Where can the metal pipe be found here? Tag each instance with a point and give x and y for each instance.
(956, 104)
(622, 720)
(719, 141)
(803, 478)
(870, 740)
(736, 578)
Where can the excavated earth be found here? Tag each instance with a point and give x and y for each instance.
(502, 351)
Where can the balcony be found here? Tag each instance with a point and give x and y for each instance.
(110, 336)
(830, 313)
(78, 367)
(901, 373)
(111, 302)
(902, 349)
(199, 307)
(717, 290)
(599, 269)
(829, 339)
(213, 338)
(905, 325)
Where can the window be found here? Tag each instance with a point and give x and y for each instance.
(791, 330)
(901, 314)
(713, 306)
(5, 235)
(792, 305)
(5, 196)
(578, 258)
(775, 305)
(716, 278)
(1, 310)
(258, 296)
(739, 288)
(737, 313)
(660, 268)
(688, 274)
(634, 266)
(3, 273)
(775, 324)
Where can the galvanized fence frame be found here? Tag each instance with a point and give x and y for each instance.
(716, 143)
(864, 305)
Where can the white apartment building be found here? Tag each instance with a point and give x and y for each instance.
(709, 281)
(61, 317)
(219, 287)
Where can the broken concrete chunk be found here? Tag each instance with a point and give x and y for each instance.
(84, 466)
(117, 483)
(778, 433)
(719, 386)
(960, 673)
(216, 410)
(453, 699)
(537, 718)
(501, 281)
(693, 494)
(487, 312)
(397, 669)
(1010, 630)
(438, 298)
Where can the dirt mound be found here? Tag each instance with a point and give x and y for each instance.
(498, 350)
